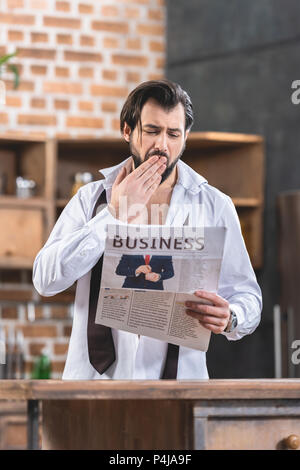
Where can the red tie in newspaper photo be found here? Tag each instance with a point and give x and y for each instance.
(147, 259)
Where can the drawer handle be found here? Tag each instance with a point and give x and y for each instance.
(292, 441)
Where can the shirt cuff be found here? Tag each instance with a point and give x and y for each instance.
(238, 310)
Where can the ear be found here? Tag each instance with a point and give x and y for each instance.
(126, 132)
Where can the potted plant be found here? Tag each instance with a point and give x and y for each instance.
(3, 67)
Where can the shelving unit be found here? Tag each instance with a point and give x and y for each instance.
(234, 163)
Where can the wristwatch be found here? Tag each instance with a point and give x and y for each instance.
(232, 322)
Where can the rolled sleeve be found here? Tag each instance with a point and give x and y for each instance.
(72, 249)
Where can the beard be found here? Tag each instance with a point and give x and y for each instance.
(170, 166)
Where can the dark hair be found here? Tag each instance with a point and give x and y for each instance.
(168, 94)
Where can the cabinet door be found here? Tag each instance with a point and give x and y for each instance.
(244, 426)
(21, 236)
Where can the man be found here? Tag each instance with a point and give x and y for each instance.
(147, 272)
(148, 187)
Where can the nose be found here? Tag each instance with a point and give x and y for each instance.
(161, 142)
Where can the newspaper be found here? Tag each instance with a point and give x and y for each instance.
(148, 276)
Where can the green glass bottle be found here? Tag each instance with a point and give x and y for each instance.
(42, 366)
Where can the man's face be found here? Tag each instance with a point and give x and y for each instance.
(163, 133)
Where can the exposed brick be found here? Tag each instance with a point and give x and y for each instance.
(62, 72)
(80, 121)
(155, 14)
(156, 46)
(14, 101)
(61, 104)
(39, 37)
(57, 22)
(38, 102)
(160, 62)
(37, 134)
(79, 56)
(102, 90)
(39, 5)
(63, 87)
(141, 2)
(109, 106)
(61, 348)
(15, 35)
(133, 43)
(115, 124)
(62, 6)
(85, 106)
(37, 331)
(38, 69)
(9, 313)
(155, 76)
(38, 311)
(111, 43)
(133, 77)
(87, 41)
(109, 74)
(109, 10)
(62, 135)
(36, 53)
(57, 366)
(35, 349)
(86, 72)
(14, 4)
(12, 18)
(111, 26)
(64, 39)
(151, 29)
(132, 13)
(125, 59)
(37, 119)
(59, 311)
(84, 8)
(3, 118)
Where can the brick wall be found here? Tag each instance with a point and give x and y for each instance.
(78, 60)
(50, 329)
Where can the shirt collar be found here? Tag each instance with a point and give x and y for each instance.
(187, 177)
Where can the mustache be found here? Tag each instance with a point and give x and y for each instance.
(161, 154)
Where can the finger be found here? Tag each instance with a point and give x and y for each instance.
(120, 176)
(207, 309)
(152, 184)
(158, 168)
(144, 166)
(215, 298)
(205, 318)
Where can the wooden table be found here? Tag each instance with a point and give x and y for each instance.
(157, 415)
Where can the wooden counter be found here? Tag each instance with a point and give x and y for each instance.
(158, 415)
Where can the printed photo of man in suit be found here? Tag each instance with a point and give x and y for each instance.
(145, 272)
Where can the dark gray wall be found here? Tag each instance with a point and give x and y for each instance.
(237, 59)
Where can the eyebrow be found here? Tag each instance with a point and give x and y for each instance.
(172, 129)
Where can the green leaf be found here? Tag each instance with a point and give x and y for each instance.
(6, 57)
(14, 69)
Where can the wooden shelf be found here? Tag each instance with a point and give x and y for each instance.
(15, 262)
(246, 202)
(61, 203)
(231, 162)
(14, 201)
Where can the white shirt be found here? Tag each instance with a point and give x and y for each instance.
(76, 243)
